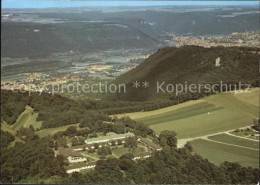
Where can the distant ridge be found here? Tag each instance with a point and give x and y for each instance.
(191, 64)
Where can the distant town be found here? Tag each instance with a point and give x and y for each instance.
(245, 39)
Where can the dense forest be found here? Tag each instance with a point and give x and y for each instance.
(190, 65)
(34, 158)
(57, 110)
(6, 139)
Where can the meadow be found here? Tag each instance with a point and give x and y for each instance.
(27, 118)
(52, 131)
(209, 115)
(204, 124)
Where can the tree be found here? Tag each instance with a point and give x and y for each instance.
(62, 142)
(105, 150)
(74, 141)
(71, 130)
(256, 124)
(81, 140)
(168, 138)
(96, 146)
(126, 161)
(55, 145)
(131, 143)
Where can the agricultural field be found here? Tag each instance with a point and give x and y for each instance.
(219, 152)
(252, 97)
(225, 138)
(209, 115)
(204, 124)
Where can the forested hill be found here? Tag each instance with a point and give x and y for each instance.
(191, 64)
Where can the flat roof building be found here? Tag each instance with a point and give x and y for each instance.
(149, 143)
(108, 138)
(77, 167)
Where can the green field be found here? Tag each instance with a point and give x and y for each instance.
(252, 97)
(27, 118)
(119, 151)
(225, 138)
(181, 113)
(209, 115)
(51, 131)
(204, 124)
(232, 102)
(218, 153)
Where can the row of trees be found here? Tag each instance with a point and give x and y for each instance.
(56, 111)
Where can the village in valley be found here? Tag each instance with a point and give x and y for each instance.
(243, 39)
(82, 157)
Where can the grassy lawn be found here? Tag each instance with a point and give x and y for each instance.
(94, 154)
(235, 140)
(122, 150)
(23, 118)
(204, 124)
(33, 121)
(119, 151)
(27, 118)
(51, 131)
(218, 153)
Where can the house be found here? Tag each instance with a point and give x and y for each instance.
(149, 143)
(71, 155)
(142, 155)
(80, 166)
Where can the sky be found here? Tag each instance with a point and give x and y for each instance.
(20, 4)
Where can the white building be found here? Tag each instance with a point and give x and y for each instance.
(80, 166)
(109, 138)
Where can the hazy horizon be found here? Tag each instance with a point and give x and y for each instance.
(40, 4)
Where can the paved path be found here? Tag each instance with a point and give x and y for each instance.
(182, 142)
